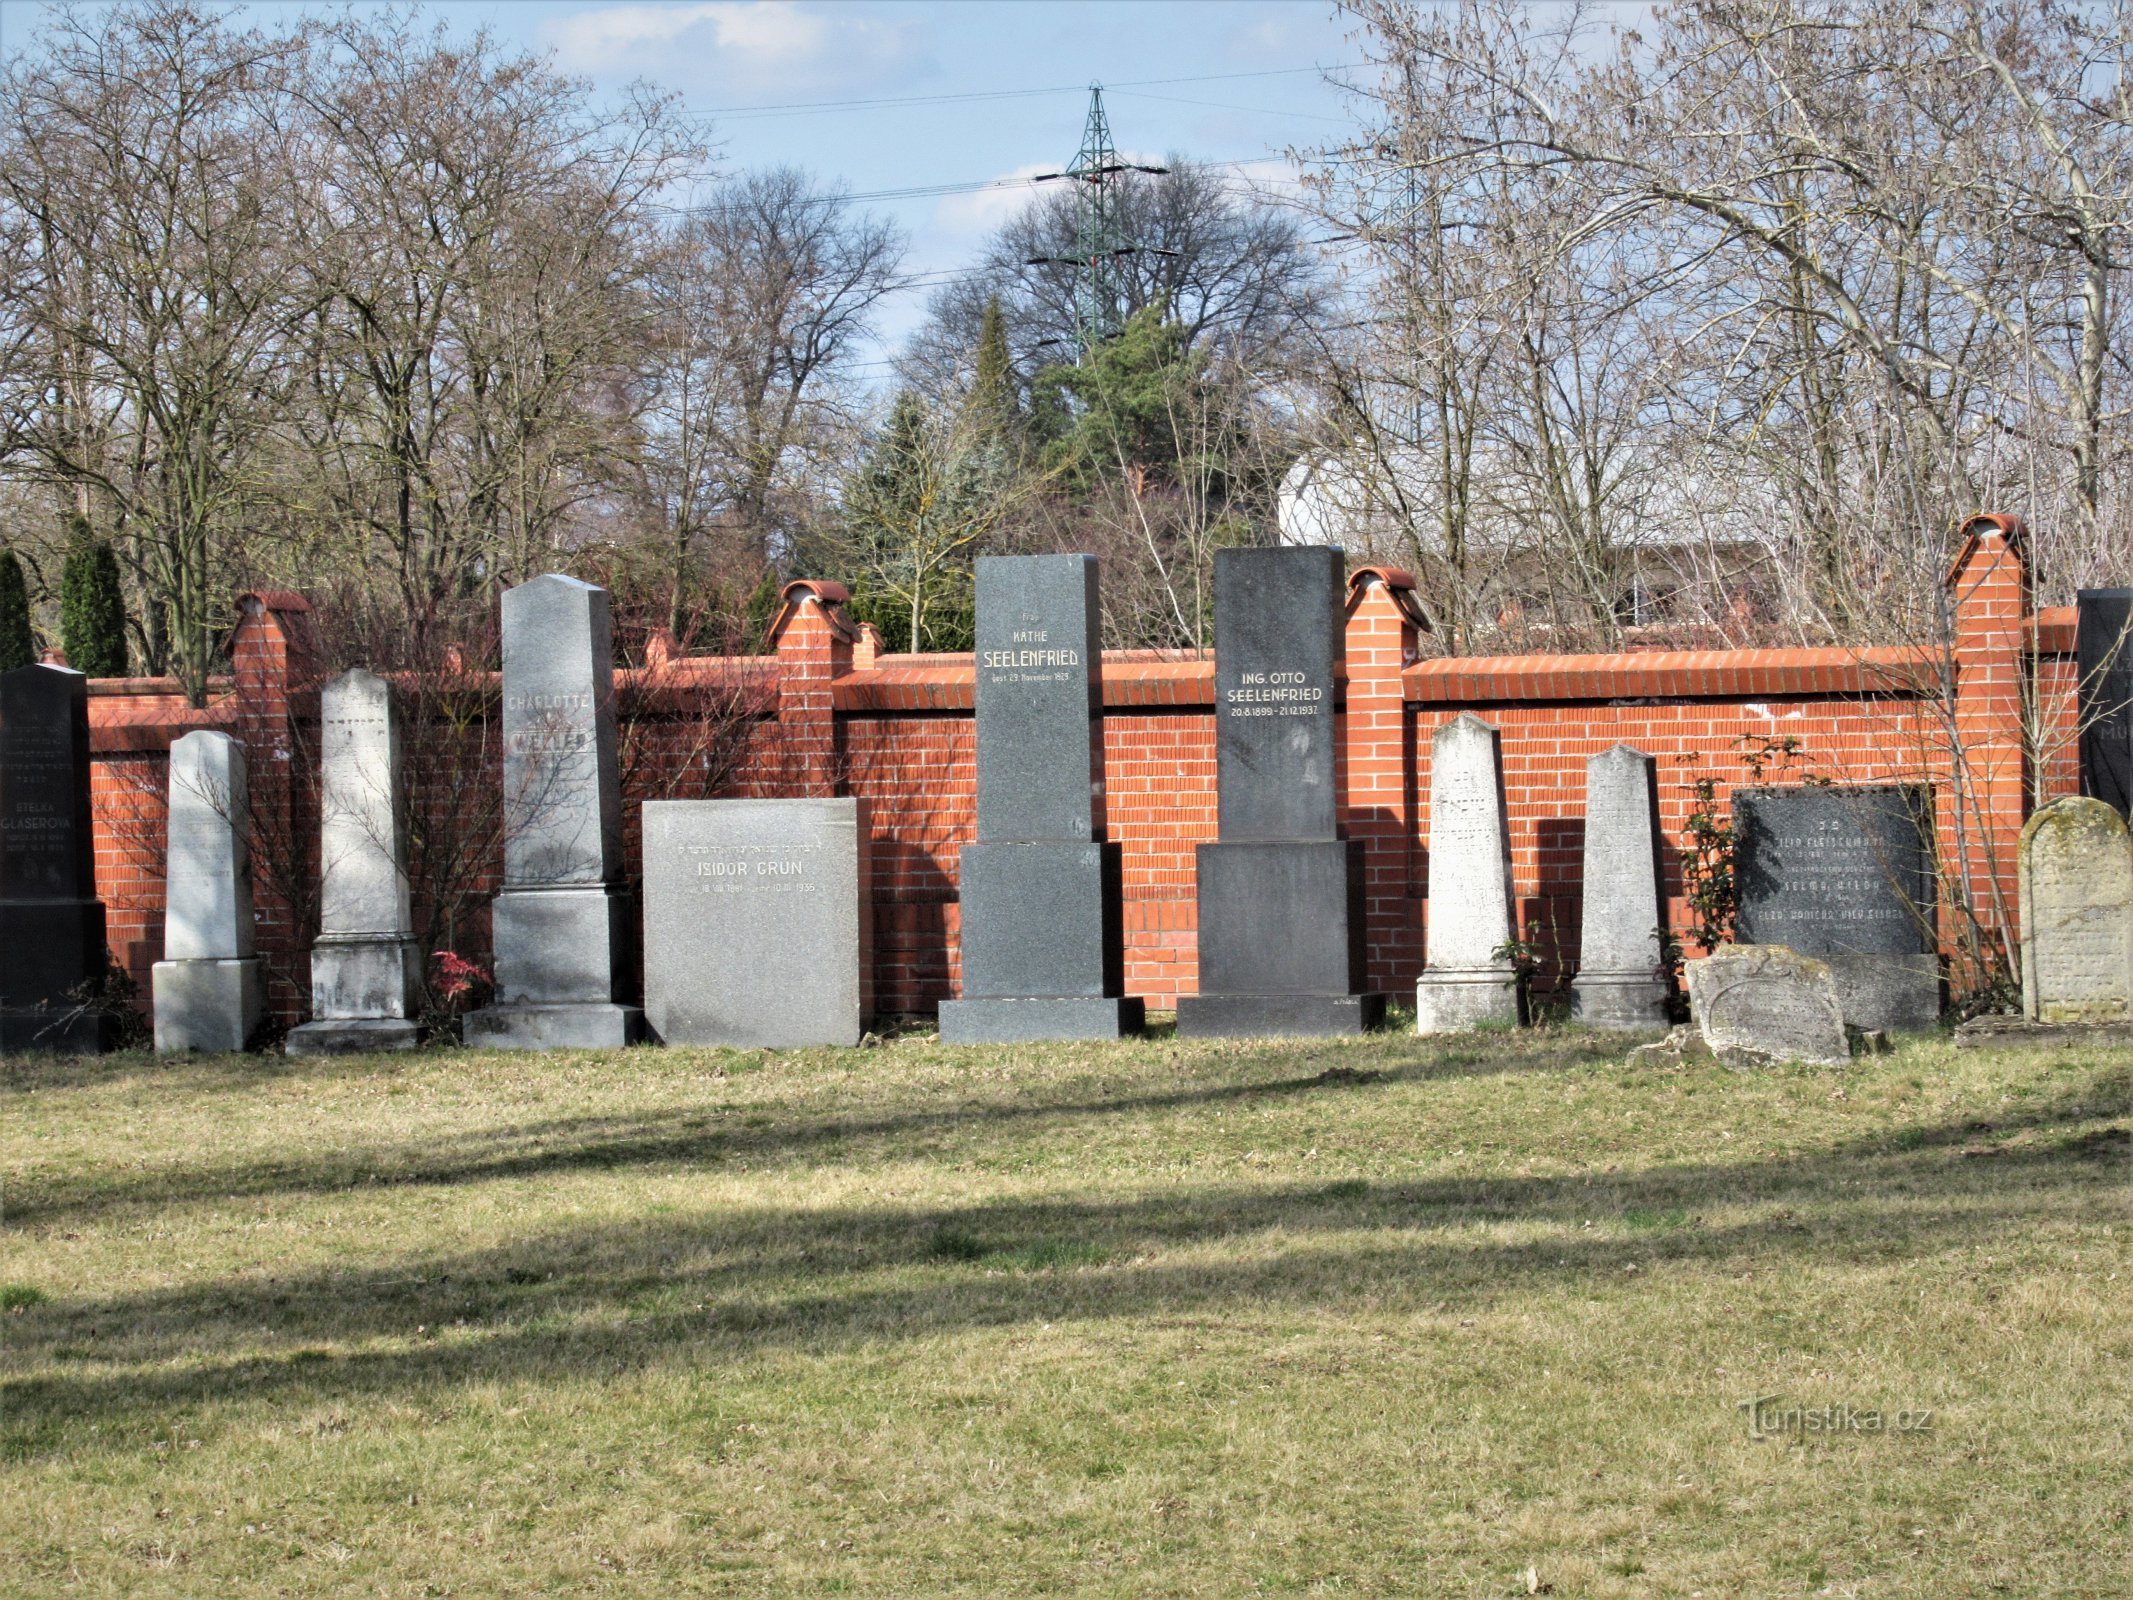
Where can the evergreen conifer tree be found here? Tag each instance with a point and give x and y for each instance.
(18, 647)
(995, 407)
(92, 605)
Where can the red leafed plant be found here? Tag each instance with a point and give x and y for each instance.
(460, 982)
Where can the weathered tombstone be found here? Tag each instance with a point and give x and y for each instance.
(1280, 891)
(207, 984)
(757, 922)
(2076, 874)
(1619, 982)
(1758, 1003)
(364, 968)
(2103, 652)
(562, 929)
(1042, 947)
(1467, 976)
(52, 950)
(1846, 875)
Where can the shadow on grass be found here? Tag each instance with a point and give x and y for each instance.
(709, 1137)
(606, 1300)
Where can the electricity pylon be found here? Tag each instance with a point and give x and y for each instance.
(1099, 243)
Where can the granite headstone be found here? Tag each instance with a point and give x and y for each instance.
(1467, 975)
(365, 969)
(2076, 886)
(757, 922)
(2103, 653)
(207, 994)
(52, 952)
(1757, 1003)
(1620, 982)
(1041, 939)
(563, 934)
(1846, 875)
(1280, 890)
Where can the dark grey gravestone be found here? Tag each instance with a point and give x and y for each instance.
(2103, 651)
(562, 930)
(51, 922)
(757, 922)
(1845, 875)
(1280, 891)
(1041, 941)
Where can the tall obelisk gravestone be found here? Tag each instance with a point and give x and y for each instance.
(564, 956)
(1468, 977)
(207, 984)
(51, 922)
(1042, 946)
(364, 967)
(1619, 982)
(1280, 891)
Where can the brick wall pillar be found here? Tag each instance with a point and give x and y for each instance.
(1986, 791)
(271, 666)
(813, 640)
(1381, 769)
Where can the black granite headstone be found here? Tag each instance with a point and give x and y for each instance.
(1041, 937)
(51, 923)
(1280, 891)
(1846, 875)
(2103, 651)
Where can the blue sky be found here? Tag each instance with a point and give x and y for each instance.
(735, 59)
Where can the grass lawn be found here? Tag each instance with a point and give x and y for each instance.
(1390, 1316)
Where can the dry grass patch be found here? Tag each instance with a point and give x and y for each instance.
(1391, 1316)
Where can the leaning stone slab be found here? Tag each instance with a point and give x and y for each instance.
(2076, 867)
(364, 966)
(1619, 959)
(1468, 978)
(206, 987)
(1756, 1003)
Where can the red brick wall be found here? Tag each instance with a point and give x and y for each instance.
(830, 714)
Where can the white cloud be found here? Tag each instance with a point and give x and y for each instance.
(971, 216)
(730, 42)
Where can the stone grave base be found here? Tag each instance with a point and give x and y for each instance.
(205, 1004)
(1255, 1016)
(998, 1021)
(1618, 1000)
(557, 941)
(350, 1036)
(1891, 993)
(61, 1030)
(1448, 1002)
(363, 977)
(1983, 1032)
(524, 1025)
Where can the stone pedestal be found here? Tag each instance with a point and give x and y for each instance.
(563, 933)
(1280, 891)
(52, 952)
(207, 988)
(1619, 982)
(365, 970)
(1467, 980)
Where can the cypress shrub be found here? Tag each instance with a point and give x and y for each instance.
(92, 605)
(18, 648)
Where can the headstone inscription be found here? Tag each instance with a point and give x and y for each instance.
(52, 951)
(1620, 982)
(2103, 652)
(2076, 877)
(1467, 976)
(1280, 890)
(1756, 1003)
(365, 969)
(1042, 947)
(757, 922)
(562, 930)
(207, 993)
(1846, 875)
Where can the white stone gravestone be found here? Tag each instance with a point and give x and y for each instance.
(1619, 982)
(1468, 977)
(2076, 868)
(206, 987)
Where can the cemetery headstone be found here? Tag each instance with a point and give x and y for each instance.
(2103, 653)
(563, 935)
(1846, 875)
(365, 969)
(207, 994)
(2076, 875)
(757, 922)
(1619, 982)
(1467, 976)
(1757, 1003)
(52, 952)
(1042, 946)
(1280, 890)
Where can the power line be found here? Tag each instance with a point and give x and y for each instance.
(802, 107)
